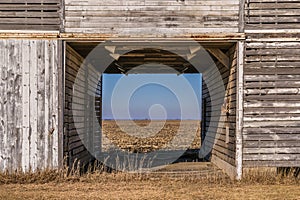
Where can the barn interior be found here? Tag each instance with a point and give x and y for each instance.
(218, 120)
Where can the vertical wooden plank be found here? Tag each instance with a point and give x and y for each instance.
(33, 132)
(46, 95)
(1, 105)
(2, 109)
(65, 111)
(41, 104)
(4, 101)
(11, 133)
(239, 110)
(18, 105)
(61, 100)
(25, 104)
(10, 104)
(55, 104)
(61, 14)
(242, 16)
(50, 101)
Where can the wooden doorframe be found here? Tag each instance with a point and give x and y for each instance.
(239, 109)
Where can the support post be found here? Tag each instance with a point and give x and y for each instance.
(239, 110)
(61, 100)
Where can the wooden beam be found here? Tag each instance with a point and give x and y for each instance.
(239, 110)
(111, 49)
(222, 57)
(115, 56)
(194, 49)
(190, 56)
(211, 37)
(229, 169)
(61, 101)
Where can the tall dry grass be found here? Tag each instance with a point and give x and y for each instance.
(97, 173)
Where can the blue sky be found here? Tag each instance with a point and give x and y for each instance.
(152, 97)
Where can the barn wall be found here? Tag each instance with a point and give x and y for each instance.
(272, 15)
(79, 97)
(30, 14)
(222, 137)
(151, 17)
(30, 135)
(271, 84)
(271, 106)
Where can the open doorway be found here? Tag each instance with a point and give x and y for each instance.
(215, 133)
(155, 111)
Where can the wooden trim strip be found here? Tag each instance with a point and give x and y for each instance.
(242, 16)
(239, 110)
(93, 36)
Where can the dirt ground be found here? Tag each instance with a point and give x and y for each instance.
(149, 189)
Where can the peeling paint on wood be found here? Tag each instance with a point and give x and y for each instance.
(23, 120)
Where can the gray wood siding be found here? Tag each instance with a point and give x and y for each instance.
(151, 17)
(271, 100)
(30, 14)
(81, 95)
(223, 144)
(29, 108)
(272, 14)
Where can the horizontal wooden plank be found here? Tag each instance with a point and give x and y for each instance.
(272, 77)
(139, 17)
(277, 163)
(271, 15)
(272, 144)
(272, 137)
(274, 98)
(272, 70)
(274, 26)
(4, 26)
(30, 15)
(272, 5)
(283, 132)
(29, 2)
(271, 110)
(272, 150)
(272, 157)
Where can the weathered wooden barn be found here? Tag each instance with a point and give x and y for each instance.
(254, 43)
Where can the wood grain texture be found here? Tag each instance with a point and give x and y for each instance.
(25, 105)
(240, 108)
(272, 14)
(30, 15)
(271, 96)
(80, 102)
(151, 17)
(214, 127)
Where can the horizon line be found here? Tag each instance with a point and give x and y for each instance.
(146, 119)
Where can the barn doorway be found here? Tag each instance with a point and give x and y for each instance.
(216, 133)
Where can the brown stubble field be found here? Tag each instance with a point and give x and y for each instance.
(136, 140)
(188, 185)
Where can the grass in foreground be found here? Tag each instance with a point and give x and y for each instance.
(100, 185)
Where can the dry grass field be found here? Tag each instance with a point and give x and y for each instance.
(198, 180)
(134, 137)
(53, 185)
